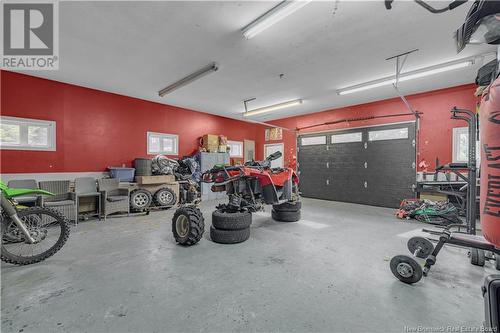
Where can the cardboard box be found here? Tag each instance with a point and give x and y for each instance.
(433, 196)
(211, 142)
(155, 179)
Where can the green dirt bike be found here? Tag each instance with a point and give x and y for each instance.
(29, 234)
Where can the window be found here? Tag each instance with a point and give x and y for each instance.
(27, 134)
(160, 143)
(390, 134)
(235, 148)
(347, 137)
(313, 140)
(460, 148)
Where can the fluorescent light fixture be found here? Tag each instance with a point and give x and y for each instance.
(188, 79)
(272, 108)
(273, 16)
(407, 76)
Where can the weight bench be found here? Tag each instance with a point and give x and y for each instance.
(477, 244)
(408, 270)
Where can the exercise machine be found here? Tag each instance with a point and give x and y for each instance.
(482, 26)
(457, 168)
(406, 268)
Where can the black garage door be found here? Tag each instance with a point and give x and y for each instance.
(372, 165)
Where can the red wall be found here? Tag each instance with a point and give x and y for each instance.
(97, 129)
(435, 130)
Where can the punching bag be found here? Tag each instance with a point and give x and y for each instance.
(489, 130)
(482, 26)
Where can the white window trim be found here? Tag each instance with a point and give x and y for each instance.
(25, 122)
(455, 142)
(230, 142)
(163, 135)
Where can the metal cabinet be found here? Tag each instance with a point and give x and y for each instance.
(207, 162)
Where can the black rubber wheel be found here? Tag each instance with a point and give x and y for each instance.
(291, 206)
(231, 221)
(188, 225)
(406, 269)
(140, 199)
(426, 247)
(165, 197)
(477, 257)
(285, 216)
(229, 236)
(37, 219)
(497, 262)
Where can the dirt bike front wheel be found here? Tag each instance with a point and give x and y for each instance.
(47, 226)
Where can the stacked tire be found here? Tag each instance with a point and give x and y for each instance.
(230, 228)
(287, 212)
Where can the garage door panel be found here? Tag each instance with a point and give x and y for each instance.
(314, 188)
(312, 161)
(390, 171)
(380, 173)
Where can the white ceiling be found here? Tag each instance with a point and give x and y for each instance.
(136, 48)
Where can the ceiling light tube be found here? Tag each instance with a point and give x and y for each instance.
(188, 79)
(272, 108)
(272, 16)
(407, 76)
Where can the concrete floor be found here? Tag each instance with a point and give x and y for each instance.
(327, 273)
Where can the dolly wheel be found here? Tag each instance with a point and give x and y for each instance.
(477, 257)
(188, 225)
(497, 262)
(406, 269)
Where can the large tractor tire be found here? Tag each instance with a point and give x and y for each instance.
(284, 216)
(188, 225)
(231, 221)
(229, 236)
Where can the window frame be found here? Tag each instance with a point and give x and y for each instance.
(455, 149)
(345, 137)
(162, 136)
(230, 142)
(388, 133)
(24, 124)
(310, 140)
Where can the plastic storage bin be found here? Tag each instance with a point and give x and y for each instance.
(123, 174)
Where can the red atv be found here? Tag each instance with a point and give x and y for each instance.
(249, 188)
